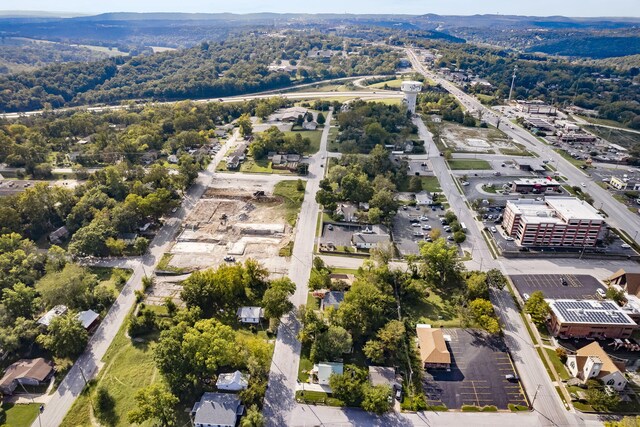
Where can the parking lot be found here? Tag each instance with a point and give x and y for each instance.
(551, 285)
(403, 231)
(477, 376)
(338, 234)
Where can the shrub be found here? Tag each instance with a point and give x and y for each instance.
(562, 354)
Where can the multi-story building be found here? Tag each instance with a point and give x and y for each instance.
(553, 222)
(588, 319)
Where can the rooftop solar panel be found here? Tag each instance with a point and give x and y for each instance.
(590, 311)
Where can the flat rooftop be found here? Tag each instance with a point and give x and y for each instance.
(534, 181)
(589, 312)
(552, 208)
(572, 208)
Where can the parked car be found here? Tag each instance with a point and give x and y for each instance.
(625, 246)
(399, 394)
(526, 297)
(512, 377)
(426, 227)
(494, 230)
(229, 258)
(601, 292)
(329, 227)
(465, 183)
(415, 224)
(509, 239)
(424, 218)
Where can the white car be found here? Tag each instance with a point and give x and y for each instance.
(465, 183)
(625, 246)
(426, 227)
(415, 224)
(494, 230)
(509, 239)
(526, 297)
(583, 184)
(424, 218)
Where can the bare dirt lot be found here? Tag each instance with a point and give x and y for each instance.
(227, 222)
(480, 140)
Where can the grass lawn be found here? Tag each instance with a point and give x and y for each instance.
(127, 367)
(343, 270)
(319, 397)
(111, 277)
(20, 415)
(435, 310)
(313, 302)
(292, 198)
(313, 135)
(575, 162)
(557, 364)
(256, 166)
(615, 136)
(391, 84)
(429, 183)
(305, 364)
(469, 164)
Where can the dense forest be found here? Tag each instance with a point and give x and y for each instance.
(592, 47)
(236, 66)
(612, 92)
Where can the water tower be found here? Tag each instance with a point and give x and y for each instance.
(411, 89)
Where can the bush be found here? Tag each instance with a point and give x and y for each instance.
(562, 355)
(143, 323)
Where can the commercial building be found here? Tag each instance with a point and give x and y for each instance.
(592, 362)
(553, 222)
(433, 348)
(588, 319)
(535, 106)
(535, 185)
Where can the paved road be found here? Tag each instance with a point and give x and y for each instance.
(619, 216)
(89, 363)
(280, 400)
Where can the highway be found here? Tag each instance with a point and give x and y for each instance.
(618, 215)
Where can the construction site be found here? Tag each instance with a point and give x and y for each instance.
(228, 225)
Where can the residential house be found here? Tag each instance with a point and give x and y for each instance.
(32, 372)
(383, 375)
(629, 282)
(217, 409)
(233, 162)
(288, 114)
(56, 311)
(250, 314)
(367, 240)
(285, 161)
(323, 371)
(149, 156)
(592, 361)
(89, 319)
(342, 277)
(234, 381)
(312, 125)
(433, 348)
(331, 299)
(59, 235)
(423, 199)
(347, 211)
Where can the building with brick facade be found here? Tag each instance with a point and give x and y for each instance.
(553, 222)
(588, 319)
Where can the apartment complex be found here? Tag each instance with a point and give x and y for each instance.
(588, 319)
(553, 222)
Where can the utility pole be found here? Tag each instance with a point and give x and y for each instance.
(513, 79)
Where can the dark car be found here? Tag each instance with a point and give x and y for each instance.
(229, 258)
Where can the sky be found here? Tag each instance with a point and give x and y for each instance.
(623, 8)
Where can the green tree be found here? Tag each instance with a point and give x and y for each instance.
(441, 263)
(331, 344)
(376, 399)
(253, 418)
(537, 307)
(459, 237)
(483, 315)
(20, 301)
(73, 287)
(599, 399)
(66, 337)
(320, 118)
(477, 286)
(276, 299)
(348, 386)
(388, 345)
(244, 123)
(154, 403)
(364, 309)
(56, 259)
(415, 184)
(616, 295)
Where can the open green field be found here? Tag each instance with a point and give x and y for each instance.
(577, 163)
(557, 364)
(429, 183)
(469, 164)
(127, 367)
(391, 84)
(314, 136)
(293, 198)
(20, 415)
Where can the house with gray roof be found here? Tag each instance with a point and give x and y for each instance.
(368, 241)
(331, 299)
(217, 409)
(250, 314)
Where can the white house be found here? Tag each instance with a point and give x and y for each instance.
(234, 381)
(250, 314)
(591, 362)
(367, 240)
(324, 370)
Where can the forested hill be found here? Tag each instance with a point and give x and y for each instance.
(593, 47)
(236, 66)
